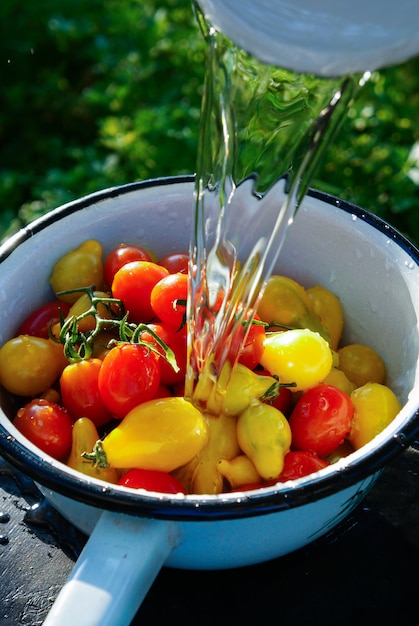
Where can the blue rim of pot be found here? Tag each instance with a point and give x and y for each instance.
(55, 475)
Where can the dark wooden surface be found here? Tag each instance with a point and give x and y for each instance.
(360, 573)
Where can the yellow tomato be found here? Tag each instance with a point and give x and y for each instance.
(264, 436)
(84, 438)
(244, 386)
(202, 474)
(285, 303)
(160, 434)
(239, 471)
(298, 356)
(81, 307)
(328, 308)
(375, 408)
(338, 379)
(361, 364)
(78, 268)
(30, 365)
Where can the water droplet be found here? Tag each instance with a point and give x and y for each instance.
(4, 540)
(354, 217)
(410, 265)
(4, 517)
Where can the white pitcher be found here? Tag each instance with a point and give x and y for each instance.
(322, 37)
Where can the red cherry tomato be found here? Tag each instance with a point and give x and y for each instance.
(133, 284)
(253, 346)
(283, 401)
(168, 299)
(40, 320)
(129, 375)
(176, 341)
(301, 463)
(151, 480)
(321, 420)
(80, 391)
(176, 262)
(47, 425)
(120, 256)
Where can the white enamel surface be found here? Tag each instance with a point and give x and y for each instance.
(324, 37)
(378, 284)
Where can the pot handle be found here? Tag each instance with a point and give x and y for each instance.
(114, 571)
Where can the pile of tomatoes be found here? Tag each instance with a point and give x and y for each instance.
(99, 372)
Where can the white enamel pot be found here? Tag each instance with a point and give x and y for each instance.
(375, 272)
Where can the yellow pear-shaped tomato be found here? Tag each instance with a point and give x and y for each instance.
(264, 435)
(160, 434)
(202, 474)
(84, 438)
(328, 308)
(244, 386)
(78, 268)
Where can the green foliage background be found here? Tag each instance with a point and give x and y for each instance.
(100, 93)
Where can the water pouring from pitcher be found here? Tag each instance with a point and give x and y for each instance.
(277, 89)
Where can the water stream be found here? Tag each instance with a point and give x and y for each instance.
(263, 132)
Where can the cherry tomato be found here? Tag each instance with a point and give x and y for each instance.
(80, 391)
(29, 365)
(47, 425)
(252, 350)
(133, 284)
(40, 320)
(283, 401)
(298, 356)
(168, 299)
(129, 376)
(375, 407)
(176, 262)
(161, 434)
(151, 480)
(120, 256)
(321, 420)
(176, 341)
(362, 364)
(301, 463)
(80, 267)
